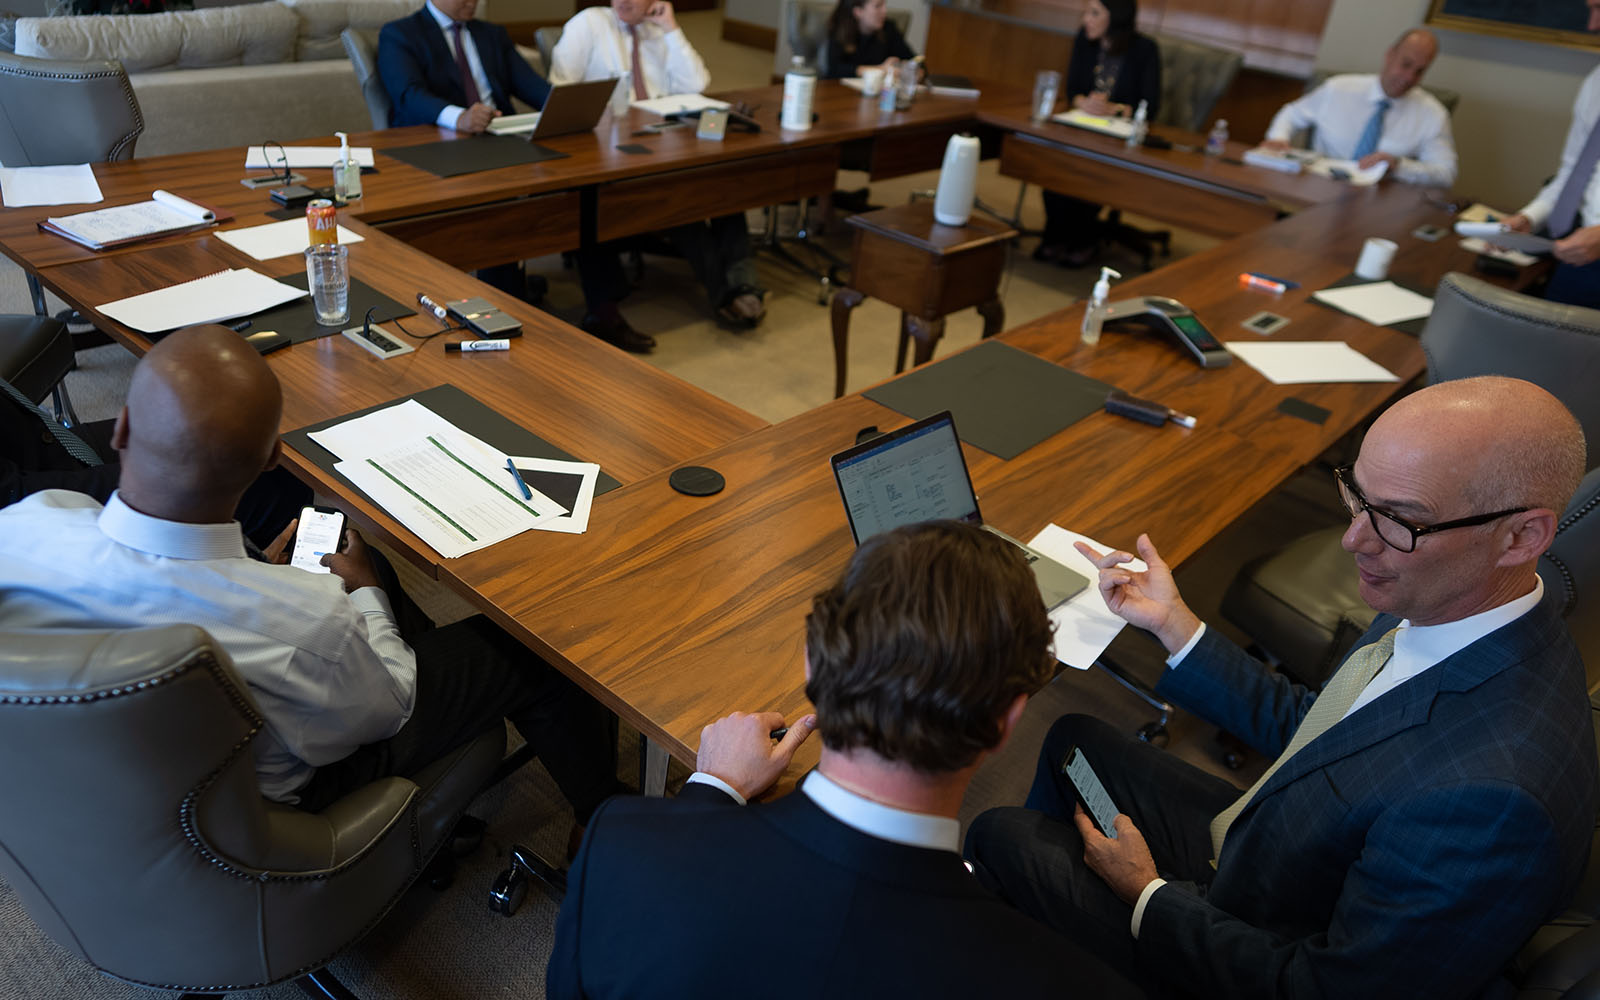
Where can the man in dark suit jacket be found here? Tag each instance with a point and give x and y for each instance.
(420, 71)
(1426, 811)
(919, 661)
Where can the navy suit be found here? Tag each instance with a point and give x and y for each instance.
(419, 71)
(700, 897)
(1408, 851)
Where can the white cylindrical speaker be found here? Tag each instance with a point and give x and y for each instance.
(958, 181)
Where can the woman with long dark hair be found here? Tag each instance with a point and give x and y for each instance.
(1113, 68)
(860, 36)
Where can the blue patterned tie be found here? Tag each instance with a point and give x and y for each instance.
(75, 445)
(1368, 143)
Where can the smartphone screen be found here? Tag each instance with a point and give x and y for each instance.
(1096, 802)
(318, 533)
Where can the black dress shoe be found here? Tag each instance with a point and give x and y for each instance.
(618, 333)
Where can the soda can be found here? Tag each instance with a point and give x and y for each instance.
(322, 220)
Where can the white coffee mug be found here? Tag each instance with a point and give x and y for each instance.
(872, 81)
(1376, 256)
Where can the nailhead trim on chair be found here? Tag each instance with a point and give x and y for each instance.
(1501, 310)
(127, 141)
(1567, 581)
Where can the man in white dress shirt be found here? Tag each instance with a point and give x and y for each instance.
(1568, 208)
(354, 683)
(919, 662)
(1382, 118)
(641, 40)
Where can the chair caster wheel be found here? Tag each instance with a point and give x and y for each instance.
(1153, 733)
(508, 892)
(1232, 761)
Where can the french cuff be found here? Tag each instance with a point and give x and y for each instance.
(1144, 898)
(447, 117)
(1177, 658)
(367, 599)
(702, 778)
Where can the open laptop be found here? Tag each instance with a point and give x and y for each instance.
(917, 473)
(573, 107)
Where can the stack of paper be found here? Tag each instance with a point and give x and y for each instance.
(1381, 303)
(162, 215)
(225, 295)
(1119, 127)
(674, 103)
(278, 239)
(1348, 170)
(282, 157)
(515, 124)
(453, 490)
(66, 185)
(1290, 362)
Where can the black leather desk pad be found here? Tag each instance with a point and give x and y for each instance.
(1411, 326)
(468, 156)
(466, 413)
(297, 320)
(1004, 400)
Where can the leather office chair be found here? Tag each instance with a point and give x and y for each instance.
(545, 39)
(136, 836)
(35, 355)
(361, 45)
(1302, 605)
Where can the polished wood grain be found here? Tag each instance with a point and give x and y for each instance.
(470, 238)
(646, 204)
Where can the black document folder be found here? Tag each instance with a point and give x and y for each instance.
(468, 156)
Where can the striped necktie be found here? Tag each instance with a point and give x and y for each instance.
(1368, 143)
(75, 445)
(1331, 705)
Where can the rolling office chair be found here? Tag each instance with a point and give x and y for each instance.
(361, 45)
(166, 868)
(544, 40)
(57, 111)
(1301, 604)
(35, 356)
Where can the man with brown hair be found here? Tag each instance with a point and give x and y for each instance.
(919, 662)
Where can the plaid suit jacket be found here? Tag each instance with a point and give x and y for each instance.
(1409, 850)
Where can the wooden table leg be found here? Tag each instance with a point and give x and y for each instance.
(927, 333)
(844, 300)
(994, 317)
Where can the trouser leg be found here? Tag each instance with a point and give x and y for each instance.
(1070, 222)
(1578, 286)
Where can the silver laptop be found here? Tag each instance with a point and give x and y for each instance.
(917, 473)
(573, 107)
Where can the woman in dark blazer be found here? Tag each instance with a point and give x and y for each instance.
(860, 35)
(1113, 68)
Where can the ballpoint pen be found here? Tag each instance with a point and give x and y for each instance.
(527, 494)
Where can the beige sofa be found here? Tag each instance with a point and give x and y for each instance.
(230, 76)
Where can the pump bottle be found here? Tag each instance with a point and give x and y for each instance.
(1095, 315)
(346, 173)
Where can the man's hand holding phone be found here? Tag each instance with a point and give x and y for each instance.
(325, 545)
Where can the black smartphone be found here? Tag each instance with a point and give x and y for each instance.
(320, 531)
(1096, 801)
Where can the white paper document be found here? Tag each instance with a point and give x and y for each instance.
(102, 227)
(1121, 128)
(1347, 170)
(1497, 234)
(278, 239)
(449, 487)
(679, 102)
(1474, 244)
(1294, 362)
(259, 158)
(1084, 625)
(1380, 303)
(64, 185)
(515, 124)
(584, 474)
(225, 295)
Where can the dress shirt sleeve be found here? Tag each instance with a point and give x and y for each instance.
(1585, 109)
(1177, 658)
(1143, 901)
(366, 695)
(1435, 162)
(569, 60)
(712, 781)
(686, 72)
(1298, 114)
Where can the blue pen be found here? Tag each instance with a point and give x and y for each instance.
(527, 494)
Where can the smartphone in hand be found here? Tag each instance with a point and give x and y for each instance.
(1096, 801)
(320, 531)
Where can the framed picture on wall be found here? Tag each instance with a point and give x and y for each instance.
(1561, 22)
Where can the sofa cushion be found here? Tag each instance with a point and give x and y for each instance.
(249, 34)
(321, 21)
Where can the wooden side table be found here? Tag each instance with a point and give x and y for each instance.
(926, 270)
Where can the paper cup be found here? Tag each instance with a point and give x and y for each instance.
(1376, 256)
(872, 81)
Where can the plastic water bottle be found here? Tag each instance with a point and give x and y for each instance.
(1217, 140)
(799, 86)
(1141, 125)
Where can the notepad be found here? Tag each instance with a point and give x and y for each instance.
(515, 124)
(674, 103)
(225, 295)
(1121, 128)
(163, 215)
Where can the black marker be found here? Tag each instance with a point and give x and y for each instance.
(779, 733)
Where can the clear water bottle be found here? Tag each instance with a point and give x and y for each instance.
(799, 85)
(1217, 140)
(1141, 125)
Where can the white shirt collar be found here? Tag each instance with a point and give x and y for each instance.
(936, 833)
(444, 20)
(171, 539)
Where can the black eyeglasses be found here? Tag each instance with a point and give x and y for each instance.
(1396, 531)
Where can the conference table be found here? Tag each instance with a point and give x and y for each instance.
(674, 610)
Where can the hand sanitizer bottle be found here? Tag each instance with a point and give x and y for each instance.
(1095, 315)
(1217, 141)
(346, 173)
(1141, 126)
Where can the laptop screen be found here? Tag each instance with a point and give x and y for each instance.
(916, 473)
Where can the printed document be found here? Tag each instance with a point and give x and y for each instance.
(562, 482)
(64, 185)
(1084, 625)
(1288, 362)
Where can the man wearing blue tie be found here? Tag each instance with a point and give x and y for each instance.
(1378, 118)
(1423, 813)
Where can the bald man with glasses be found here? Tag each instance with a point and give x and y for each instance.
(1423, 813)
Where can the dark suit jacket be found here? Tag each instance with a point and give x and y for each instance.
(835, 61)
(31, 459)
(419, 72)
(700, 897)
(1138, 80)
(1411, 849)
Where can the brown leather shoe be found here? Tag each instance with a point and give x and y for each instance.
(618, 333)
(743, 308)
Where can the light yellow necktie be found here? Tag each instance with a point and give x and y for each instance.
(1335, 700)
